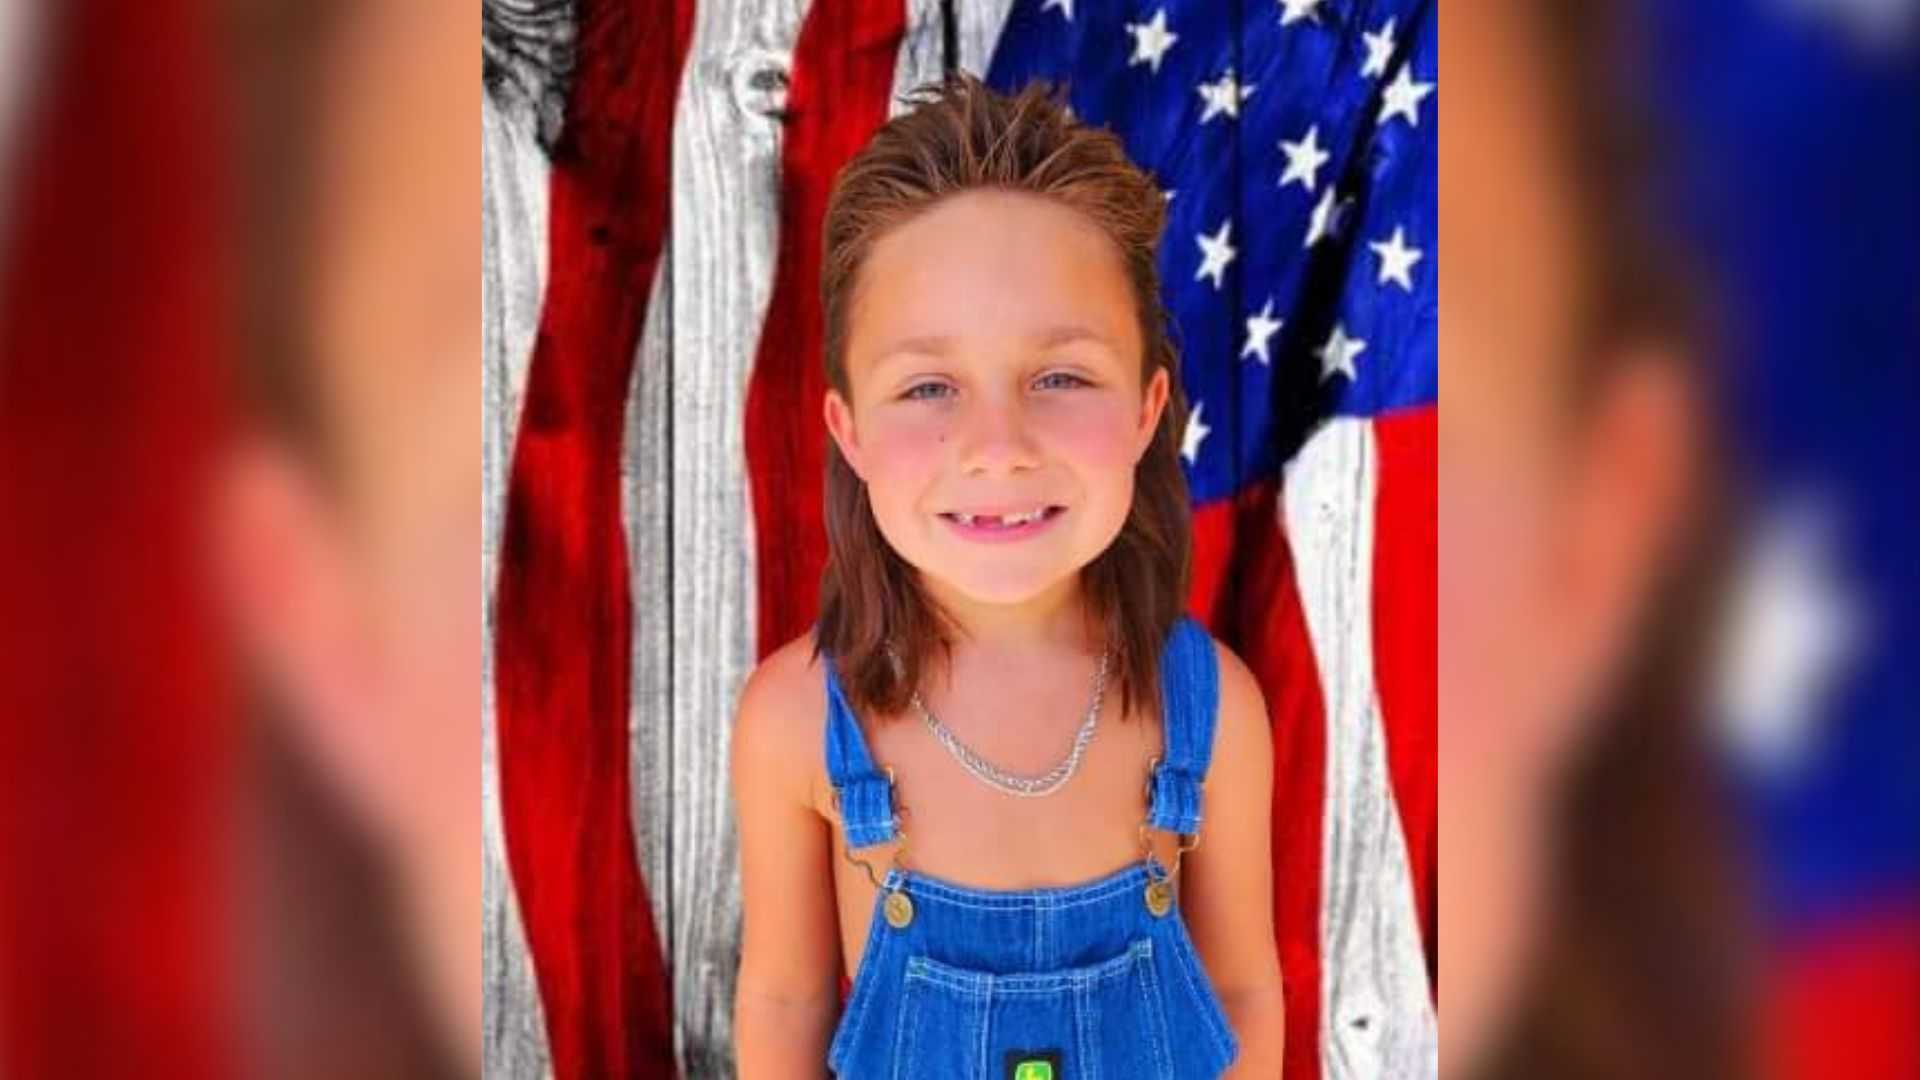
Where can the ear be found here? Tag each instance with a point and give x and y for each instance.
(1633, 475)
(1153, 402)
(839, 416)
(282, 574)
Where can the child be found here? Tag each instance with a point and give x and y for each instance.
(1008, 531)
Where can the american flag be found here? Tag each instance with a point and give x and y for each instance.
(1296, 144)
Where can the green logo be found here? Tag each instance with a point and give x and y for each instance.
(1033, 1070)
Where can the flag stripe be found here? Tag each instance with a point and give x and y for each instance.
(843, 69)
(1378, 1018)
(1406, 643)
(1841, 1001)
(1262, 616)
(563, 636)
(117, 750)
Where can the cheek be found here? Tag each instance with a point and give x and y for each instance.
(1095, 434)
(904, 455)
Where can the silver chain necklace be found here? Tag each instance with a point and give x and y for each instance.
(1029, 786)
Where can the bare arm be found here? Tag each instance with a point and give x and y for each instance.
(788, 996)
(1227, 884)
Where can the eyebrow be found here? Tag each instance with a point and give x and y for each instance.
(1046, 338)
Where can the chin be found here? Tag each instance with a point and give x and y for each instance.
(1005, 591)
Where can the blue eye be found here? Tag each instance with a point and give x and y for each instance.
(1047, 381)
(914, 393)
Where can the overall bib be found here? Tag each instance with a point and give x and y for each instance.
(1095, 981)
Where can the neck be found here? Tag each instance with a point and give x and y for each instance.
(1052, 619)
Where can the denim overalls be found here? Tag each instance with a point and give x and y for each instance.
(1095, 981)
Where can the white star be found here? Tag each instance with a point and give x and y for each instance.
(1151, 40)
(1168, 194)
(1224, 96)
(1403, 97)
(1261, 327)
(1396, 259)
(1328, 215)
(1065, 6)
(1292, 11)
(1795, 624)
(1196, 431)
(1379, 50)
(1304, 159)
(1337, 355)
(1218, 252)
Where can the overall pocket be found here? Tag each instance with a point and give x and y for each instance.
(1106, 1019)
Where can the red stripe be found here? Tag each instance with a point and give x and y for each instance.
(843, 72)
(1844, 1003)
(1406, 643)
(115, 717)
(564, 635)
(1261, 618)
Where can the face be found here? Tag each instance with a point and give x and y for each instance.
(1553, 514)
(997, 410)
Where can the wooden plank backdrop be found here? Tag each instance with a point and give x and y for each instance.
(689, 525)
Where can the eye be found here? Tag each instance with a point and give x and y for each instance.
(1062, 380)
(926, 391)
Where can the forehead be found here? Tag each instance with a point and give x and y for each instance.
(990, 272)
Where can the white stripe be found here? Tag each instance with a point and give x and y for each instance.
(1377, 1014)
(513, 263)
(919, 60)
(726, 239)
(977, 33)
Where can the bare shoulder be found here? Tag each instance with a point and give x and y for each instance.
(1244, 730)
(779, 729)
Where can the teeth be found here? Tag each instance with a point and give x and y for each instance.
(1007, 521)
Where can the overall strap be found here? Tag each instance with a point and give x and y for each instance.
(1190, 697)
(863, 792)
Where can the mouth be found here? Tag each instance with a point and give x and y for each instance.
(1010, 525)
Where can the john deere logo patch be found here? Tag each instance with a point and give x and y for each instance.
(1033, 1065)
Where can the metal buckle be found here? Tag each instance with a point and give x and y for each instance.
(1186, 842)
(1184, 845)
(900, 834)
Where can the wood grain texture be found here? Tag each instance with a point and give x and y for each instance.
(690, 529)
(725, 214)
(513, 231)
(1379, 1018)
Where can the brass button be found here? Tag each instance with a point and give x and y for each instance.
(899, 909)
(1160, 896)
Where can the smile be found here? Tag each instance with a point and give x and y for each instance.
(1006, 526)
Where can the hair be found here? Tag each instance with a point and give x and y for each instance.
(962, 136)
(1646, 964)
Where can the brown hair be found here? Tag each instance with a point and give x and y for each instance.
(963, 136)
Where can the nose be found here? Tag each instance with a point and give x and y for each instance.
(996, 437)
